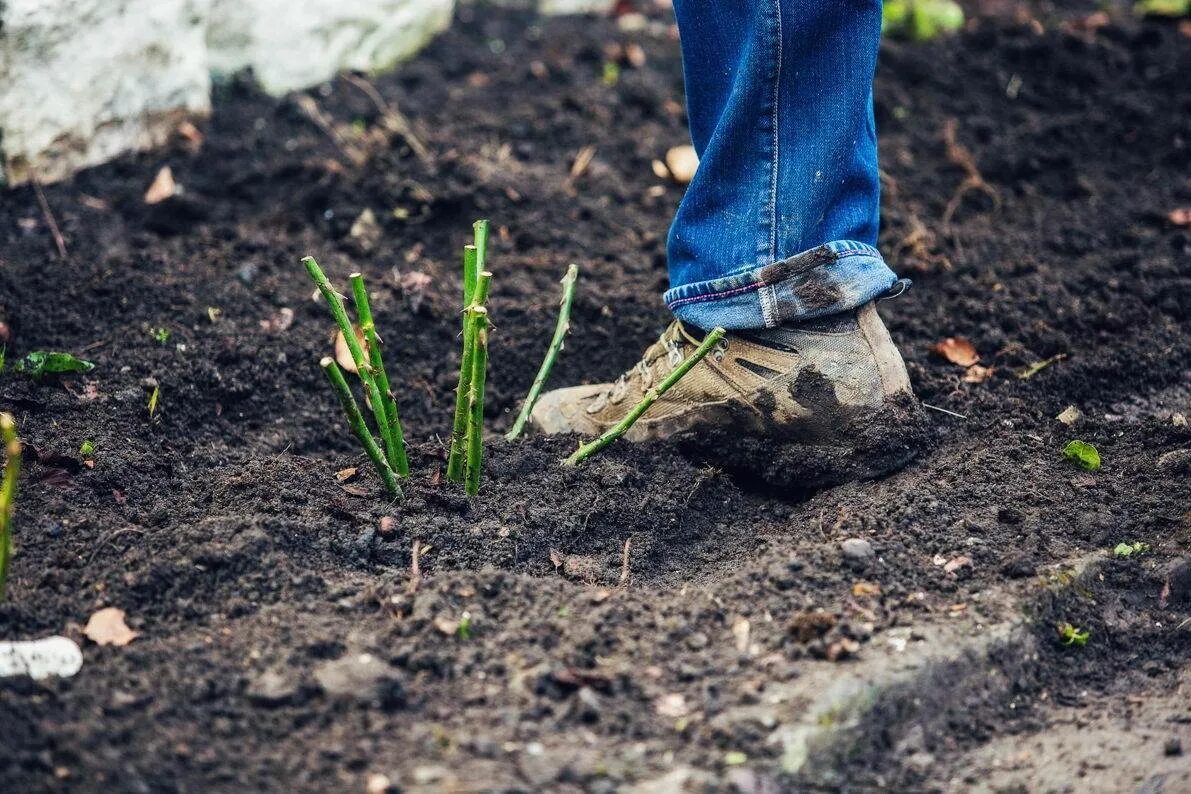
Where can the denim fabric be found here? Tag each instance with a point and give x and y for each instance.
(780, 219)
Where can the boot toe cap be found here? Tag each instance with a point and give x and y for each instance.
(564, 411)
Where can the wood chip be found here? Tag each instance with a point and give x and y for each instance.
(957, 350)
(163, 186)
(107, 627)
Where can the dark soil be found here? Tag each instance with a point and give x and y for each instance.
(256, 580)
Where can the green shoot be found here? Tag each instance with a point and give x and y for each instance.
(8, 492)
(154, 398)
(1162, 8)
(364, 368)
(921, 20)
(41, 362)
(397, 460)
(464, 630)
(355, 421)
(3, 352)
(560, 332)
(651, 396)
(475, 295)
(1082, 454)
(87, 448)
(479, 374)
(160, 335)
(1070, 635)
(1127, 550)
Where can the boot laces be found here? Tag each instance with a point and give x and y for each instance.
(669, 345)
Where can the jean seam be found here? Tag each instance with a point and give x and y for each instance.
(773, 177)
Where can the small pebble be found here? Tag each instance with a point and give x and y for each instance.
(857, 549)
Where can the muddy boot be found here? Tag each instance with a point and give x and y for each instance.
(800, 407)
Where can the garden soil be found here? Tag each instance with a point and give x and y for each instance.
(584, 629)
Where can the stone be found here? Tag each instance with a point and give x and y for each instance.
(359, 35)
(272, 688)
(84, 80)
(857, 549)
(361, 676)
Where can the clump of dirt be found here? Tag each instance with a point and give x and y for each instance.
(573, 628)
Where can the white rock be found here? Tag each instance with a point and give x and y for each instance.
(292, 44)
(83, 80)
(38, 659)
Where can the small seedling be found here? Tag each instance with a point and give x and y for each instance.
(42, 362)
(921, 20)
(464, 630)
(1127, 550)
(651, 396)
(160, 335)
(1162, 8)
(87, 448)
(8, 492)
(154, 398)
(1070, 635)
(1082, 454)
(560, 333)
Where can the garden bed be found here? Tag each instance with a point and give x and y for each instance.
(615, 610)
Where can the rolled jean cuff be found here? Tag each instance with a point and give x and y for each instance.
(829, 279)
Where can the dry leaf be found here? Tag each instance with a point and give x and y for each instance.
(682, 162)
(343, 355)
(977, 374)
(343, 475)
(163, 186)
(955, 563)
(356, 490)
(957, 350)
(279, 322)
(582, 161)
(1180, 216)
(866, 589)
(107, 627)
(671, 706)
(1070, 415)
(192, 135)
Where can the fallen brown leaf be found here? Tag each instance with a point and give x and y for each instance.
(957, 350)
(1180, 216)
(163, 186)
(343, 475)
(866, 589)
(343, 355)
(107, 627)
(682, 163)
(977, 374)
(356, 490)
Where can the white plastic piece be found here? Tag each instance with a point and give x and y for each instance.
(38, 659)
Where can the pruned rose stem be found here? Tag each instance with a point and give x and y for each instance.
(475, 418)
(398, 462)
(611, 434)
(457, 458)
(355, 421)
(470, 271)
(8, 493)
(480, 228)
(363, 367)
(560, 332)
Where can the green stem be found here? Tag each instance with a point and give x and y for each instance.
(471, 270)
(560, 332)
(363, 368)
(587, 450)
(397, 459)
(475, 421)
(457, 458)
(355, 420)
(481, 237)
(8, 492)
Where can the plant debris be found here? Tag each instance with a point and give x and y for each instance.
(107, 627)
(1082, 454)
(957, 350)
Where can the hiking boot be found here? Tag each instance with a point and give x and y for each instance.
(804, 406)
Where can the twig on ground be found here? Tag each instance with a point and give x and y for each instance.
(355, 420)
(624, 560)
(394, 120)
(415, 567)
(958, 154)
(943, 411)
(560, 332)
(50, 220)
(587, 450)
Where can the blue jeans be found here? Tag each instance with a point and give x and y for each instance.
(780, 220)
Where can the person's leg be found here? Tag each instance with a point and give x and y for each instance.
(774, 241)
(779, 95)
